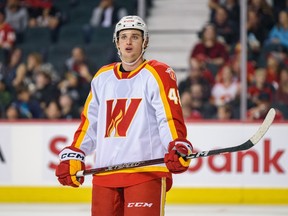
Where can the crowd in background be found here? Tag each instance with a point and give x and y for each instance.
(212, 89)
(32, 88)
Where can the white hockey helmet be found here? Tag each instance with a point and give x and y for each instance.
(130, 22)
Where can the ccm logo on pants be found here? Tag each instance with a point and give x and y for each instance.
(139, 205)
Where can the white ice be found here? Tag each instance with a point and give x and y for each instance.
(171, 210)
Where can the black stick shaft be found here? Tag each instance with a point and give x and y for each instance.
(123, 166)
(244, 146)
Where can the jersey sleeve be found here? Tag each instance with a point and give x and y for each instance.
(85, 135)
(166, 102)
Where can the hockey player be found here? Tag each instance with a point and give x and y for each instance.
(132, 113)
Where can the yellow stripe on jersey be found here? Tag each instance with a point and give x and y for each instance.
(86, 122)
(131, 73)
(118, 70)
(136, 70)
(164, 100)
(103, 69)
(163, 196)
(139, 169)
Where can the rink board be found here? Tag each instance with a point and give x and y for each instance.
(28, 156)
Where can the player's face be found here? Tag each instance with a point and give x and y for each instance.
(130, 44)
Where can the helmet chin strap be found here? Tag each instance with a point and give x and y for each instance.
(134, 62)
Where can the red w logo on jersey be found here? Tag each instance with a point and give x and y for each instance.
(119, 118)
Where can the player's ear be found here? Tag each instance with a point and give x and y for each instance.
(146, 43)
(117, 45)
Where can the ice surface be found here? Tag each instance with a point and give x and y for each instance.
(171, 210)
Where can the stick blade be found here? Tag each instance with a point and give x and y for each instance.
(264, 127)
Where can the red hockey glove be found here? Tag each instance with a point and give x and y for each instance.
(177, 151)
(71, 161)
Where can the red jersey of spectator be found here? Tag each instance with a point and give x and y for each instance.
(254, 91)
(201, 52)
(272, 76)
(261, 115)
(195, 115)
(38, 3)
(7, 36)
(281, 97)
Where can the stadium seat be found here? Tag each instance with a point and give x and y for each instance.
(100, 54)
(57, 55)
(71, 34)
(39, 36)
(102, 35)
(36, 40)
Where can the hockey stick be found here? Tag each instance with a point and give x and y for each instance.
(244, 146)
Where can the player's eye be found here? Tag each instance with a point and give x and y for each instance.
(123, 37)
(135, 37)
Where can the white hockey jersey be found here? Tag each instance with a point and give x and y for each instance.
(130, 117)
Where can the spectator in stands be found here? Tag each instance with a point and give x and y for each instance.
(28, 107)
(277, 41)
(261, 109)
(213, 5)
(34, 62)
(189, 113)
(194, 103)
(33, 66)
(272, 69)
(14, 72)
(107, 14)
(259, 86)
(12, 112)
(5, 97)
(7, 39)
(224, 112)
(186, 105)
(227, 89)
(257, 34)
(17, 17)
(281, 94)
(209, 50)
(45, 90)
(197, 74)
(227, 30)
(68, 108)
(78, 63)
(279, 33)
(279, 5)
(264, 12)
(235, 62)
(199, 103)
(231, 6)
(52, 110)
(45, 14)
(35, 7)
(71, 85)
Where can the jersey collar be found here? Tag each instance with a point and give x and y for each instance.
(127, 75)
